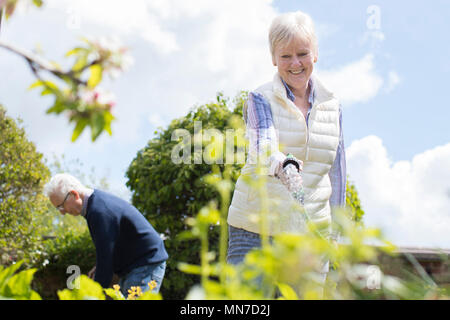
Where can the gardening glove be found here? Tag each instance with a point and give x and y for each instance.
(288, 172)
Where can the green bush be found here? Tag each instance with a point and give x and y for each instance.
(353, 203)
(168, 193)
(284, 269)
(60, 253)
(22, 175)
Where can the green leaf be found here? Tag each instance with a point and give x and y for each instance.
(5, 274)
(36, 84)
(148, 295)
(75, 51)
(40, 83)
(97, 125)
(287, 292)
(108, 117)
(114, 294)
(81, 124)
(38, 3)
(46, 91)
(19, 286)
(96, 75)
(189, 268)
(88, 290)
(57, 108)
(81, 62)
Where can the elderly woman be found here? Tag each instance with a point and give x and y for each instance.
(294, 114)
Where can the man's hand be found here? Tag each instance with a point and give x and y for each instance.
(91, 274)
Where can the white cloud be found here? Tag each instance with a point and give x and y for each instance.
(373, 37)
(408, 200)
(143, 18)
(184, 53)
(393, 81)
(190, 50)
(355, 82)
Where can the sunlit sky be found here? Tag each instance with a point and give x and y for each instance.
(387, 61)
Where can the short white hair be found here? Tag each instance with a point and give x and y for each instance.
(61, 184)
(288, 26)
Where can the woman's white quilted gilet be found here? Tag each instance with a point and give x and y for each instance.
(315, 145)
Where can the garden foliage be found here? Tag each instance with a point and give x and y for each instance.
(22, 176)
(189, 203)
(170, 193)
(17, 285)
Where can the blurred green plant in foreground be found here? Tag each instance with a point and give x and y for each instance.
(17, 285)
(286, 267)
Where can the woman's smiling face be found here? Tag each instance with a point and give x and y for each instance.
(295, 61)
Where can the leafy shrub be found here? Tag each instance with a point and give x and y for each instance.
(71, 249)
(353, 203)
(168, 193)
(22, 175)
(285, 268)
(17, 285)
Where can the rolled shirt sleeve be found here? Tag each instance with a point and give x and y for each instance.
(261, 133)
(338, 177)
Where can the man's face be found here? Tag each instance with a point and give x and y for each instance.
(70, 203)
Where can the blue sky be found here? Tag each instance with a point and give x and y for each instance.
(416, 46)
(392, 79)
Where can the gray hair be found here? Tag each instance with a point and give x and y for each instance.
(61, 184)
(287, 26)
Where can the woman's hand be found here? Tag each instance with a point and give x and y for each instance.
(291, 178)
(288, 172)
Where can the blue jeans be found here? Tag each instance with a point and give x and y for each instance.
(241, 241)
(141, 276)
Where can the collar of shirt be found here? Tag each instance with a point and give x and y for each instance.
(311, 97)
(85, 202)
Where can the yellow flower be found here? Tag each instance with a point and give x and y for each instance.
(134, 292)
(116, 287)
(152, 284)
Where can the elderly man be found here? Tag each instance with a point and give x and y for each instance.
(125, 242)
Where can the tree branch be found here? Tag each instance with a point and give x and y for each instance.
(1, 16)
(35, 62)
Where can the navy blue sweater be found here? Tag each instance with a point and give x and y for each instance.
(123, 238)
